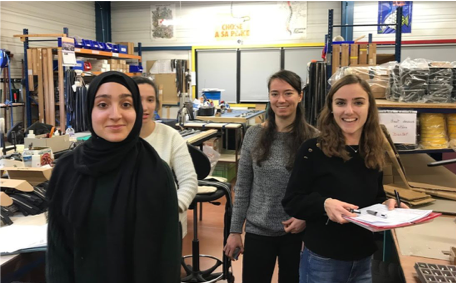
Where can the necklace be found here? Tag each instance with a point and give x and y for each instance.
(355, 150)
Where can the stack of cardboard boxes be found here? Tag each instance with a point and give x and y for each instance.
(109, 65)
(119, 65)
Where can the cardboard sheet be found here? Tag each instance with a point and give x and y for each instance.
(445, 206)
(429, 239)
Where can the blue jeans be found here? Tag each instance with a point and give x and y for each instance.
(317, 269)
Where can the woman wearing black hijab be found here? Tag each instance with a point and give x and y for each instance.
(113, 213)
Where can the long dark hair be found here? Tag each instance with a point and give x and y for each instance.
(300, 130)
(332, 139)
(144, 80)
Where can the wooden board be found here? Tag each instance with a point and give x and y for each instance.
(345, 55)
(362, 54)
(5, 200)
(51, 92)
(168, 81)
(428, 239)
(39, 64)
(30, 69)
(61, 92)
(354, 54)
(445, 206)
(34, 61)
(45, 100)
(437, 193)
(260, 106)
(413, 203)
(382, 103)
(335, 58)
(407, 262)
(432, 187)
(405, 193)
(372, 57)
(384, 58)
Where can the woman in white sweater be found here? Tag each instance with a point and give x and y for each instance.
(171, 147)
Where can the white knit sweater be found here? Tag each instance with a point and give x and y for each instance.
(173, 149)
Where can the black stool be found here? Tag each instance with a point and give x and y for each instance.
(194, 273)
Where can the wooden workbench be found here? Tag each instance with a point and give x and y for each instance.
(408, 262)
(417, 171)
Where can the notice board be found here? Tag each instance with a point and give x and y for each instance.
(401, 125)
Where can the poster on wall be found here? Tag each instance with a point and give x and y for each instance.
(387, 11)
(68, 55)
(163, 22)
(228, 27)
(294, 25)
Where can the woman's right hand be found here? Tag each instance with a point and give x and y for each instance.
(335, 209)
(234, 240)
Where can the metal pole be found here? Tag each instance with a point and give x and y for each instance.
(139, 53)
(329, 46)
(398, 43)
(28, 101)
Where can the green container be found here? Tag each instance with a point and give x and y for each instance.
(226, 170)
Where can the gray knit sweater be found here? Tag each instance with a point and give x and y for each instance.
(260, 190)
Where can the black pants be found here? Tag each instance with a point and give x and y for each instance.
(260, 253)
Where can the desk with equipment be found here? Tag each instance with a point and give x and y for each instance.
(223, 127)
(23, 237)
(235, 116)
(430, 242)
(197, 137)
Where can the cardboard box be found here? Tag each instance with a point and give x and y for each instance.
(20, 185)
(215, 143)
(388, 169)
(130, 47)
(34, 176)
(372, 56)
(362, 59)
(45, 153)
(113, 61)
(225, 170)
(388, 179)
(354, 54)
(56, 143)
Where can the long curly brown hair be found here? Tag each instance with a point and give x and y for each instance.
(332, 139)
(300, 130)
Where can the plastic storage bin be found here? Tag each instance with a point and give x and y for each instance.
(123, 49)
(108, 47)
(87, 43)
(115, 48)
(226, 170)
(213, 95)
(136, 69)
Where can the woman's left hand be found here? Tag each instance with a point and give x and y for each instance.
(294, 225)
(392, 204)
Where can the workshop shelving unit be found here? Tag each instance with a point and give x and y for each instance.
(88, 53)
(331, 26)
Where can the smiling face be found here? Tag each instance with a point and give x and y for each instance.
(284, 99)
(149, 102)
(350, 105)
(113, 113)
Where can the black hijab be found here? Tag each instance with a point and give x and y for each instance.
(143, 238)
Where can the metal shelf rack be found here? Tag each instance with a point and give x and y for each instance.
(397, 44)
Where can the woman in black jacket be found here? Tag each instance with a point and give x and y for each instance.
(113, 205)
(334, 173)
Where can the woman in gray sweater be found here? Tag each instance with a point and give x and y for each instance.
(267, 158)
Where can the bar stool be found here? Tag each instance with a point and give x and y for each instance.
(194, 273)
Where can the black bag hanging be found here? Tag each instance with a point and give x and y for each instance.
(315, 91)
